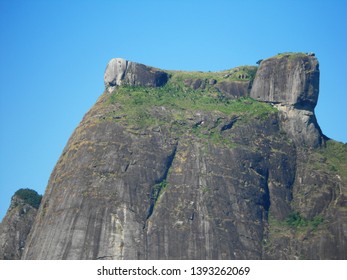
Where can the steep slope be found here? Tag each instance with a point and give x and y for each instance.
(185, 165)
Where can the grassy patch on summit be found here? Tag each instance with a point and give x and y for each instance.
(290, 55)
(136, 102)
(177, 107)
(242, 73)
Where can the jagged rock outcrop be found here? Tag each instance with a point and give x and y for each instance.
(15, 228)
(291, 80)
(185, 169)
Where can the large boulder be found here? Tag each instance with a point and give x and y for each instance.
(291, 82)
(289, 79)
(123, 72)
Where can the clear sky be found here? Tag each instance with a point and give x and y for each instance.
(53, 55)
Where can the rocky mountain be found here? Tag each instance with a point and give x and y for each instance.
(198, 165)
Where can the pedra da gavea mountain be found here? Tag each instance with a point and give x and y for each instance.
(198, 165)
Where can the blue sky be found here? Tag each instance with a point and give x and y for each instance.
(53, 55)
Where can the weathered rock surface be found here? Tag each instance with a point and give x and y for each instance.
(181, 172)
(15, 228)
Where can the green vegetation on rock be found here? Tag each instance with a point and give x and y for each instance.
(331, 158)
(290, 54)
(29, 196)
(137, 102)
(336, 157)
(177, 107)
(158, 190)
(241, 73)
(295, 221)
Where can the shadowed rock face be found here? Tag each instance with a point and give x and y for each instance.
(198, 176)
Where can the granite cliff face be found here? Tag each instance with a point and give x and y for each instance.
(193, 165)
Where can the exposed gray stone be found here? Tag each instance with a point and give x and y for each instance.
(233, 89)
(115, 71)
(123, 72)
(292, 81)
(301, 126)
